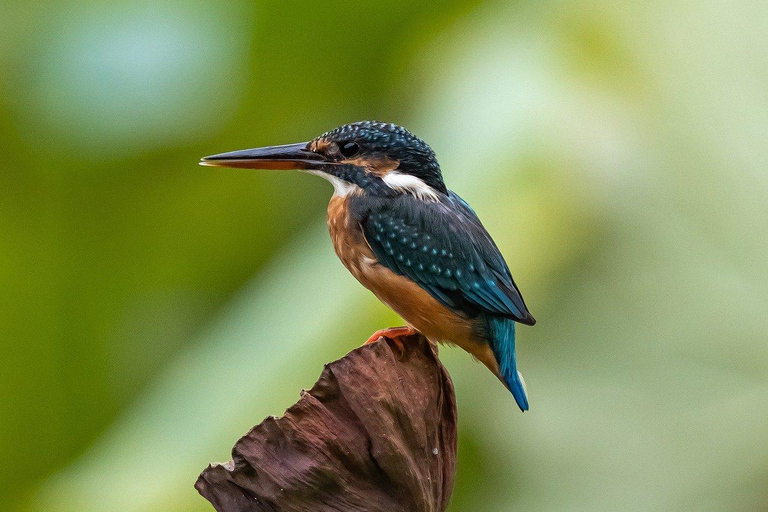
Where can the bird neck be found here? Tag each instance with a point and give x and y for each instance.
(356, 180)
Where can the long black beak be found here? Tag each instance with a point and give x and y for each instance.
(288, 156)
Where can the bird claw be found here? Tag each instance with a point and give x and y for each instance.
(394, 334)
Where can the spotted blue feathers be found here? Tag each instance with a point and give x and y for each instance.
(444, 248)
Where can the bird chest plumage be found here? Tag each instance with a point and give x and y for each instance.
(403, 295)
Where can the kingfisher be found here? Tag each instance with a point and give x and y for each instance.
(418, 246)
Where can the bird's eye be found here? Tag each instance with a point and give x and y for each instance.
(349, 149)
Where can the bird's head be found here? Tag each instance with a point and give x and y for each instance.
(367, 157)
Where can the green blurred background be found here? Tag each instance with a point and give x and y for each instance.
(153, 310)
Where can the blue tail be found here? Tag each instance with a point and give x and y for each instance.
(502, 340)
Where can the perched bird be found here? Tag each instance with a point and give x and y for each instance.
(416, 245)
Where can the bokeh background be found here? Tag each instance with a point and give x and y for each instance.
(152, 310)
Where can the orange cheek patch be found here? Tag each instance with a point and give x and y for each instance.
(376, 166)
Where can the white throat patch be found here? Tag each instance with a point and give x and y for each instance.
(409, 183)
(341, 188)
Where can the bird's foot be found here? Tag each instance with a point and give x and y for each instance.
(394, 334)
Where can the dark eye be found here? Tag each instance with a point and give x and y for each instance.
(349, 149)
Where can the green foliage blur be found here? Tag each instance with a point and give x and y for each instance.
(153, 310)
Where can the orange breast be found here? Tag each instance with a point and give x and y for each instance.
(409, 300)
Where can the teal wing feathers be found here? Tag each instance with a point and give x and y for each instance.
(444, 248)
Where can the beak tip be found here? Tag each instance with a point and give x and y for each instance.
(211, 161)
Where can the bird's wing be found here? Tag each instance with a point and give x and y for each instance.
(444, 248)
